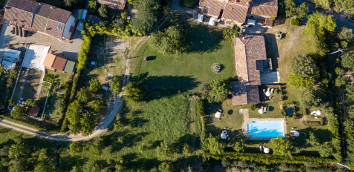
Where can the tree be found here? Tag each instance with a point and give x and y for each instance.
(75, 148)
(299, 81)
(187, 3)
(103, 11)
(83, 95)
(87, 123)
(74, 112)
(304, 65)
(282, 146)
(132, 2)
(348, 61)
(97, 105)
(325, 151)
(346, 34)
(239, 146)
(298, 12)
(134, 92)
(312, 140)
(12, 102)
(115, 85)
(219, 89)
(18, 112)
(349, 89)
(166, 167)
(323, 3)
(230, 33)
(164, 150)
(317, 28)
(92, 6)
(187, 149)
(146, 15)
(212, 146)
(17, 151)
(170, 41)
(309, 97)
(94, 85)
(31, 102)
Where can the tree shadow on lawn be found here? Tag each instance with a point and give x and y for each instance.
(132, 163)
(202, 38)
(164, 86)
(322, 135)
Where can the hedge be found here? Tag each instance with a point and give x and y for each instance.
(333, 127)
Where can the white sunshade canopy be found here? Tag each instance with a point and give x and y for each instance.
(200, 17)
(223, 135)
(268, 93)
(218, 115)
(318, 112)
(296, 134)
(251, 22)
(260, 111)
(266, 150)
(212, 21)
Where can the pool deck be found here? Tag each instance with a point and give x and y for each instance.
(247, 120)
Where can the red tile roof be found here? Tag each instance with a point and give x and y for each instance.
(237, 10)
(59, 63)
(33, 111)
(250, 53)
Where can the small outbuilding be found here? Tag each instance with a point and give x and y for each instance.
(59, 63)
(10, 58)
(69, 67)
(33, 111)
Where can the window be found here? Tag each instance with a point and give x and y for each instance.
(42, 23)
(59, 27)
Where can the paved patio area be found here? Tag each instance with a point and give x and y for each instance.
(59, 47)
(247, 120)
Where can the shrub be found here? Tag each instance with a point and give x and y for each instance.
(200, 107)
(187, 3)
(295, 22)
(283, 112)
(253, 107)
(135, 92)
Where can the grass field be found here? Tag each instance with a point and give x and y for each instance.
(191, 69)
(28, 84)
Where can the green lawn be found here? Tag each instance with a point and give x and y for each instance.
(191, 69)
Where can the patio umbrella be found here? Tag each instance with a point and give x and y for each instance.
(268, 93)
(296, 134)
(218, 114)
(223, 135)
(266, 150)
(260, 111)
(318, 112)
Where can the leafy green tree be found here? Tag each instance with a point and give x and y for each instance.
(212, 146)
(312, 140)
(97, 105)
(18, 112)
(239, 146)
(103, 11)
(12, 102)
(17, 151)
(75, 148)
(282, 146)
(300, 81)
(74, 112)
(87, 123)
(323, 3)
(31, 102)
(219, 89)
(92, 6)
(325, 151)
(83, 95)
(348, 61)
(134, 92)
(147, 15)
(298, 12)
(170, 41)
(94, 85)
(132, 2)
(187, 150)
(317, 28)
(2, 70)
(304, 65)
(230, 33)
(346, 34)
(349, 89)
(187, 3)
(115, 85)
(309, 97)
(164, 150)
(166, 167)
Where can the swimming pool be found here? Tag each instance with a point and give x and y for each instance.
(265, 128)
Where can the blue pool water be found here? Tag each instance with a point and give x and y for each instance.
(265, 128)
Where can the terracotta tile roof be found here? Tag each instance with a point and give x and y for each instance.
(44, 10)
(49, 60)
(59, 15)
(33, 111)
(250, 53)
(18, 17)
(59, 63)
(55, 28)
(39, 23)
(264, 10)
(121, 4)
(235, 12)
(26, 5)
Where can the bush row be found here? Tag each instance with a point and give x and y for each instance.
(333, 127)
